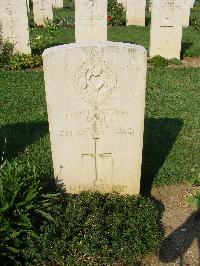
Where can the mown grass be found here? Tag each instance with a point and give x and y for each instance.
(130, 34)
(171, 139)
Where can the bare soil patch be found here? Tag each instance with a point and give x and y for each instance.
(191, 61)
(181, 225)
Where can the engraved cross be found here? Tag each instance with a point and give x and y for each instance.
(96, 157)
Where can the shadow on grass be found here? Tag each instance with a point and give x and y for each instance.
(184, 47)
(159, 138)
(178, 242)
(19, 136)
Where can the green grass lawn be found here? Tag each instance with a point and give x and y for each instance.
(171, 139)
(130, 34)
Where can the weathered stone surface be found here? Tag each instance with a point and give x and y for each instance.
(14, 24)
(166, 28)
(58, 3)
(42, 10)
(135, 12)
(96, 99)
(90, 20)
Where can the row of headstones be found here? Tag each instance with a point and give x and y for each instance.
(14, 20)
(43, 9)
(91, 23)
(135, 11)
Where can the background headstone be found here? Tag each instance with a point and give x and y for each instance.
(14, 24)
(28, 5)
(58, 3)
(186, 6)
(135, 12)
(192, 2)
(96, 99)
(90, 20)
(42, 10)
(166, 28)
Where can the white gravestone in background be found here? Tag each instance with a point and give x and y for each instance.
(58, 3)
(96, 99)
(135, 12)
(192, 2)
(90, 20)
(166, 28)
(14, 24)
(42, 10)
(28, 5)
(186, 5)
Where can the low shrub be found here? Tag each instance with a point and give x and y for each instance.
(194, 200)
(67, 21)
(96, 229)
(23, 207)
(69, 5)
(116, 16)
(175, 61)
(6, 51)
(24, 61)
(158, 61)
(195, 22)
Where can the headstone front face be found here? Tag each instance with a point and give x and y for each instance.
(96, 98)
(166, 28)
(14, 24)
(58, 3)
(42, 10)
(135, 12)
(90, 20)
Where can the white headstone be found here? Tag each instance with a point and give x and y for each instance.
(42, 10)
(166, 28)
(28, 5)
(90, 20)
(58, 3)
(192, 2)
(14, 24)
(186, 5)
(150, 3)
(96, 99)
(135, 12)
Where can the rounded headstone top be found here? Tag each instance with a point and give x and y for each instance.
(103, 44)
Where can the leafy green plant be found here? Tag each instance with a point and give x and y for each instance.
(96, 229)
(67, 21)
(24, 61)
(195, 21)
(50, 26)
(69, 5)
(6, 51)
(174, 61)
(116, 15)
(23, 207)
(158, 61)
(194, 200)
